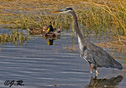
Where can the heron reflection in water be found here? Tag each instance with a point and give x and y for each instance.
(104, 83)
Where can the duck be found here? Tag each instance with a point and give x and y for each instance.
(44, 29)
(52, 32)
(37, 31)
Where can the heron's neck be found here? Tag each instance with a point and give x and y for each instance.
(76, 27)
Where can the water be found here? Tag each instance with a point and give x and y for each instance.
(39, 65)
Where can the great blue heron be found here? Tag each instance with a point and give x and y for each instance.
(94, 55)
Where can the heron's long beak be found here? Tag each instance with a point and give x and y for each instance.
(59, 11)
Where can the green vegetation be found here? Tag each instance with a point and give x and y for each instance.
(99, 17)
(15, 38)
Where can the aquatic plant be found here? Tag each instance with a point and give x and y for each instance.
(15, 38)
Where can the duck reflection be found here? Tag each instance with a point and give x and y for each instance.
(104, 83)
(50, 42)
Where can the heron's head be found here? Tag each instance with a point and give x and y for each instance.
(66, 10)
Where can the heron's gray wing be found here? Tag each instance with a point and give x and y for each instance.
(100, 57)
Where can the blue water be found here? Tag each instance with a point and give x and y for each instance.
(39, 65)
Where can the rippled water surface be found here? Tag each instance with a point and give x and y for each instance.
(39, 65)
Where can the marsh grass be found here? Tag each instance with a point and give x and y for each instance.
(15, 38)
(96, 16)
(117, 14)
(99, 17)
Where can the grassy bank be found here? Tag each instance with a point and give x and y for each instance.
(102, 17)
(94, 15)
(15, 38)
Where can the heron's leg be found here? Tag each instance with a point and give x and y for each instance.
(96, 71)
(91, 69)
